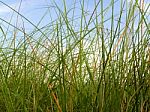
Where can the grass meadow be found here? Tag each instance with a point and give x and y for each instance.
(81, 61)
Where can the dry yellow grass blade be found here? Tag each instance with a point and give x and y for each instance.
(50, 86)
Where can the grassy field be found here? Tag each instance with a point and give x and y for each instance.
(77, 63)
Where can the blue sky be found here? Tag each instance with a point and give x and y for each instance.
(35, 9)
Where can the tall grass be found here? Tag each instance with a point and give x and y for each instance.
(77, 63)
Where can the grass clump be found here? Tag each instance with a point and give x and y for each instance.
(82, 61)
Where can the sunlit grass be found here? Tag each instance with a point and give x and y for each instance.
(77, 62)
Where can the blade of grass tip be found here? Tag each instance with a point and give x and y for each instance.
(143, 17)
(71, 29)
(73, 12)
(26, 35)
(27, 21)
(109, 55)
(64, 16)
(112, 21)
(130, 15)
(8, 27)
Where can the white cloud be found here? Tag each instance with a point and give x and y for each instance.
(25, 4)
(5, 10)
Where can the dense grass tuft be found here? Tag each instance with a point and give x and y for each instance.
(83, 61)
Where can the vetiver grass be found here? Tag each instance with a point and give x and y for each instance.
(77, 63)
